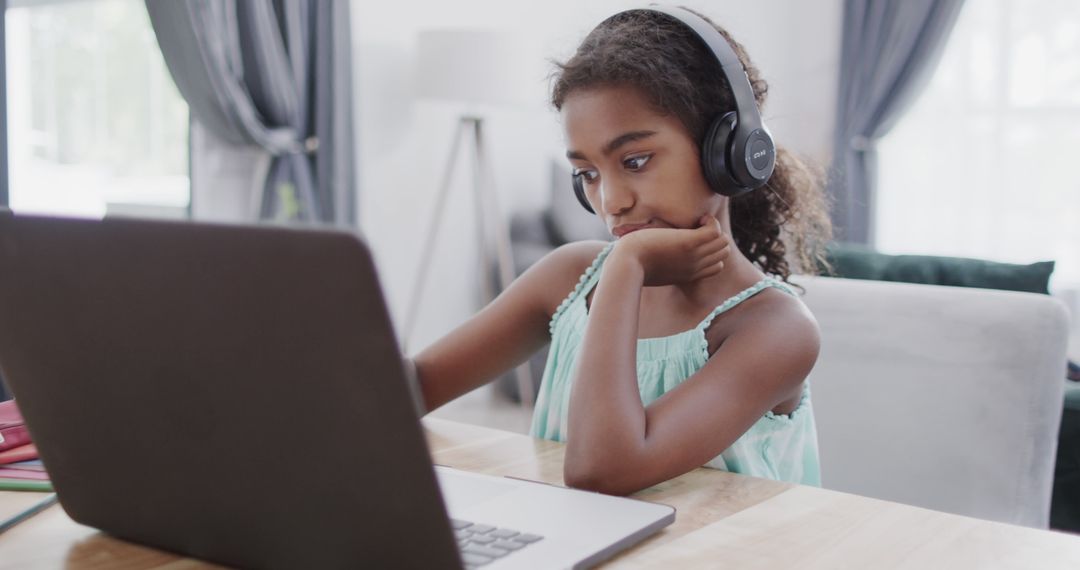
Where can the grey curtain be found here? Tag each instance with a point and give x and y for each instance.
(3, 117)
(268, 83)
(4, 395)
(888, 53)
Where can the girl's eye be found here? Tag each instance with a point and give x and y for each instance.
(588, 176)
(636, 162)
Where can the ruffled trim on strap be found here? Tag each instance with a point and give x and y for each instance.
(582, 281)
(768, 281)
(779, 284)
(804, 402)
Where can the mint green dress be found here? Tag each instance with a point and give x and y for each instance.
(780, 447)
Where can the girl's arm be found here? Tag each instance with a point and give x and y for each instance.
(618, 446)
(506, 332)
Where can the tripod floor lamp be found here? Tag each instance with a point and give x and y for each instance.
(477, 67)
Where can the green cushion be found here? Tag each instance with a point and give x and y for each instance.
(853, 261)
(1072, 396)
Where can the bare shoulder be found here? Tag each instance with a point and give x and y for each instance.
(557, 273)
(779, 324)
(765, 348)
(770, 340)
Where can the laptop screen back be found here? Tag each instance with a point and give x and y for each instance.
(231, 393)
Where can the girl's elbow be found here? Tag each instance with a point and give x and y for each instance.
(592, 478)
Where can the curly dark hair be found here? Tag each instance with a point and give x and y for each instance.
(679, 76)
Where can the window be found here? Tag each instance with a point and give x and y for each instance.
(96, 125)
(985, 163)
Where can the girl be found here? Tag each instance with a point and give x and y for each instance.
(670, 349)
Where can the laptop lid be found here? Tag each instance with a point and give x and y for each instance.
(229, 393)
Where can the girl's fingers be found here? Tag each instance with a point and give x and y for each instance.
(714, 269)
(712, 258)
(710, 271)
(707, 222)
(705, 235)
(711, 246)
(714, 245)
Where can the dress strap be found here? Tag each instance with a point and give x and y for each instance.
(585, 284)
(745, 294)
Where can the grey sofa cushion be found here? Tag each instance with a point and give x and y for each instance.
(941, 397)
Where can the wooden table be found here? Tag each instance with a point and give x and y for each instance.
(723, 520)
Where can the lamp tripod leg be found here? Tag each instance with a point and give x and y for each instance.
(493, 222)
(429, 241)
(489, 222)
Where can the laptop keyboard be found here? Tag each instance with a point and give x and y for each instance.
(483, 544)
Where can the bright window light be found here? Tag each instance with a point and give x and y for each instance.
(985, 163)
(96, 125)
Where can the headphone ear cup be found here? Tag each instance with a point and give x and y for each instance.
(579, 191)
(715, 151)
(715, 154)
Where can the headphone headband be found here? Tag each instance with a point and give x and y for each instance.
(732, 68)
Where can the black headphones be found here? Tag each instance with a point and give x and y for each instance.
(737, 154)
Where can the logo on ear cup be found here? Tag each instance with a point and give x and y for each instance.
(760, 156)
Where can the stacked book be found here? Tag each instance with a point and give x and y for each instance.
(20, 468)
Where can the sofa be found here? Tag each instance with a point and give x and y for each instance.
(941, 397)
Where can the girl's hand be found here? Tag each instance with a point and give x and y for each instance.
(671, 256)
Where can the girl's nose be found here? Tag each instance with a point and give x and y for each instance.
(615, 197)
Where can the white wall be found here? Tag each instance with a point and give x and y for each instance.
(403, 142)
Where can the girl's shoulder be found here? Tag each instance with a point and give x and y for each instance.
(558, 272)
(775, 313)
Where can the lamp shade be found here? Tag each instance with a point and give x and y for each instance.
(474, 66)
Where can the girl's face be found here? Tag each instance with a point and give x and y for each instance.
(639, 168)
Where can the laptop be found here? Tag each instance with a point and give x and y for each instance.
(237, 394)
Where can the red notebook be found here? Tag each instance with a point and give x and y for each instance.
(13, 431)
(23, 474)
(21, 453)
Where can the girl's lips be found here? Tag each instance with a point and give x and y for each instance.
(624, 229)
